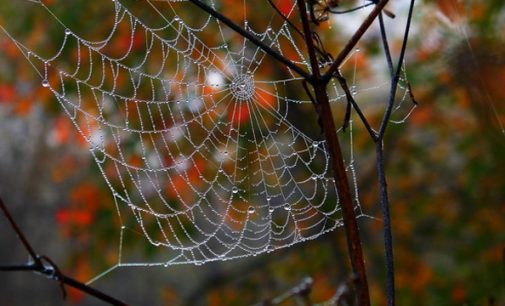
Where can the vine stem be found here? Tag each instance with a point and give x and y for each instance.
(50, 270)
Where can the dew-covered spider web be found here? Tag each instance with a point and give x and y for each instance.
(191, 126)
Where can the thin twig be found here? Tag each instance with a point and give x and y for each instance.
(351, 101)
(50, 270)
(354, 40)
(343, 292)
(252, 38)
(286, 19)
(301, 290)
(384, 198)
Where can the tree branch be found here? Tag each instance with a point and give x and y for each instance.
(384, 197)
(253, 39)
(354, 39)
(50, 269)
(326, 119)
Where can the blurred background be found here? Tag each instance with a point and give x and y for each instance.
(445, 168)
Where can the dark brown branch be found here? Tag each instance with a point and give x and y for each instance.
(354, 39)
(50, 270)
(349, 216)
(252, 38)
(344, 191)
(308, 39)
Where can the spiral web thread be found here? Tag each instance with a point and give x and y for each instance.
(196, 148)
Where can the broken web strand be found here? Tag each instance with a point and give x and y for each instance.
(292, 202)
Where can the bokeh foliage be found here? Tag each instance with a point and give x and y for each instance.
(445, 168)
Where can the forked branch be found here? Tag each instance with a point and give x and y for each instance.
(45, 266)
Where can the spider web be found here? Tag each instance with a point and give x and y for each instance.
(190, 125)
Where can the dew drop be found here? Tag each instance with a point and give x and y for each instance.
(45, 83)
(271, 209)
(68, 32)
(287, 207)
(234, 190)
(251, 210)
(314, 177)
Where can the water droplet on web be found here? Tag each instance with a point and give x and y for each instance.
(251, 210)
(45, 83)
(287, 207)
(271, 209)
(68, 31)
(358, 49)
(234, 190)
(268, 199)
(314, 177)
(269, 29)
(315, 144)
(220, 170)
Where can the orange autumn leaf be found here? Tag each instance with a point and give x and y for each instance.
(265, 98)
(239, 114)
(7, 93)
(62, 130)
(88, 195)
(237, 215)
(80, 218)
(453, 9)
(285, 6)
(23, 107)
